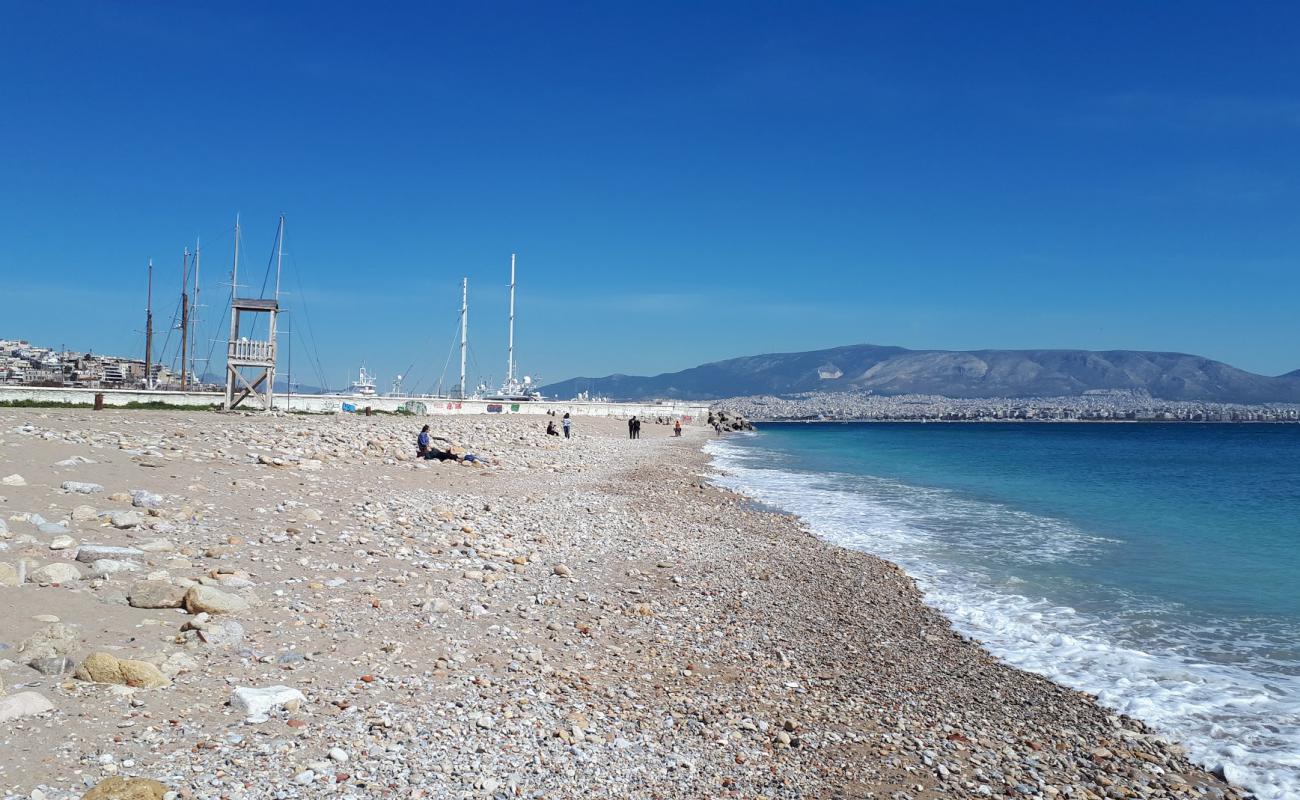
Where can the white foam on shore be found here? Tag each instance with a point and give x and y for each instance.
(1243, 716)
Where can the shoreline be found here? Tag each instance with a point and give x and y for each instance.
(762, 421)
(582, 618)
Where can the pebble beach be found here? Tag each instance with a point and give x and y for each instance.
(204, 605)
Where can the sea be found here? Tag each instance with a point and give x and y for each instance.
(1154, 565)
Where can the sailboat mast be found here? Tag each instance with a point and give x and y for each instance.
(194, 317)
(234, 286)
(464, 330)
(279, 256)
(510, 352)
(185, 315)
(148, 331)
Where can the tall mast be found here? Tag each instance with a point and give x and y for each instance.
(234, 285)
(185, 315)
(464, 330)
(148, 331)
(279, 255)
(510, 351)
(194, 315)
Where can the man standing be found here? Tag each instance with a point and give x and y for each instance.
(566, 423)
(636, 429)
(631, 427)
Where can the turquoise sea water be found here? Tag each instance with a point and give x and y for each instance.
(1156, 565)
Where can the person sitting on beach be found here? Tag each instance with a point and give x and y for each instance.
(550, 429)
(424, 448)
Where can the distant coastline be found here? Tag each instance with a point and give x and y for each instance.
(1096, 406)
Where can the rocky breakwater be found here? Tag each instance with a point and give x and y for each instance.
(271, 607)
(728, 421)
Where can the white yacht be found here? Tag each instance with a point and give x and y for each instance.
(364, 385)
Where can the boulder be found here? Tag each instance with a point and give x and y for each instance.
(141, 498)
(58, 572)
(62, 543)
(13, 480)
(156, 594)
(261, 702)
(23, 704)
(80, 487)
(108, 566)
(84, 513)
(125, 519)
(55, 639)
(8, 574)
(106, 668)
(93, 552)
(206, 599)
(119, 788)
(52, 529)
(52, 666)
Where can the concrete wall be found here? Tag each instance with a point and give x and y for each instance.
(428, 406)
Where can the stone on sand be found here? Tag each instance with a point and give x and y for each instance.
(119, 788)
(253, 702)
(206, 599)
(81, 487)
(107, 668)
(58, 572)
(23, 704)
(156, 594)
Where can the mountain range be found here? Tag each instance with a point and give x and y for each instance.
(952, 373)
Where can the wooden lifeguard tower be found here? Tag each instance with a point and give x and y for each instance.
(250, 363)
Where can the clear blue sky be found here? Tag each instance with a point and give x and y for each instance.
(682, 182)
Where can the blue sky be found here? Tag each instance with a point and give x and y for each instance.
(682, 182)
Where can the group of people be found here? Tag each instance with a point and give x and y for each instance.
(634, 427)
(565, 423)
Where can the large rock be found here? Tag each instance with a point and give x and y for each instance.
(261, 702)
(84, 513)
(141, 498)
(55, 639)
(58, 572)
(80, 487)
(108, 566)
(23, 704)
(52, 529)
(200, 599)
(119, 788)
(13, 480)
(93, 552)
(156, 594)
(8, 574)
(125, 519)
(51, 666)
(107, 668)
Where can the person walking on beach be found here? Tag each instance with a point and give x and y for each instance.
(636, 428)
(631, 427)
(566, 422)
(677, 428)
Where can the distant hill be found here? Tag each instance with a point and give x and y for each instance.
(953, 373)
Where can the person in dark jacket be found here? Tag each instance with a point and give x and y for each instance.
(631, 427)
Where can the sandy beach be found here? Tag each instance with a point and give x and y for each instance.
(568, 618)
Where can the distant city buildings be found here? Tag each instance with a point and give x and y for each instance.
(1096, 406)
(24, 364)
